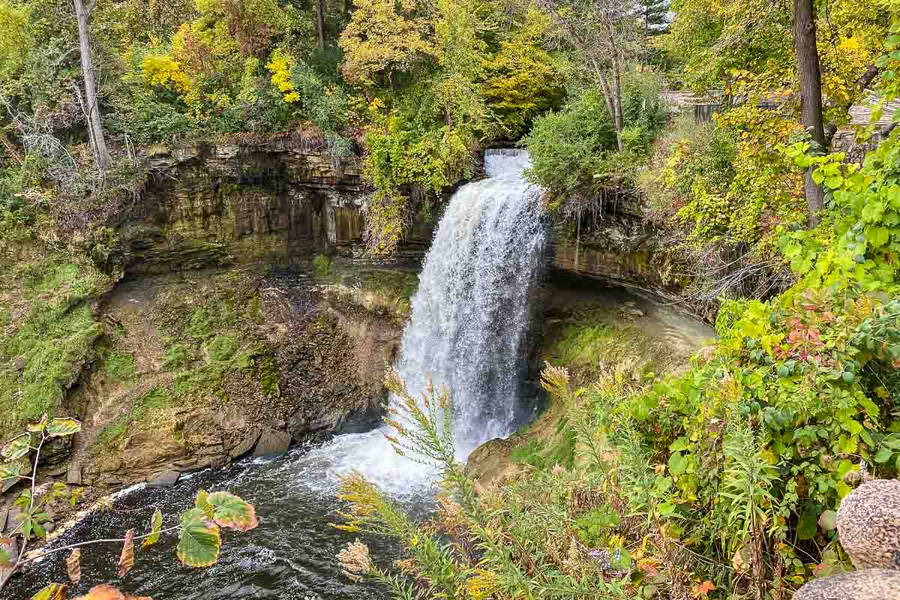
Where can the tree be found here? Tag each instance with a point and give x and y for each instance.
(92, 109)
(320, 23)
(605, 33)
(382, 37)
(654, 15)
(810, 96)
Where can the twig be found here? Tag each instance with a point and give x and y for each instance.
(92, 542)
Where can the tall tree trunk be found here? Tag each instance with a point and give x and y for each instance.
(616, 64)
(320, 22)
(618, 118)
(95, 126)
(810, 95)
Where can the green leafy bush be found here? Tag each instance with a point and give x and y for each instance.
(595, 526)
(573, 151)
(321, 265)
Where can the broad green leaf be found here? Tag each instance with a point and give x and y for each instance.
(232, 512)
(883, 455)
(677, 464)
(54, 591)
(878, 236)
(17, 447)
(679, 445)
(834, 181)
(155, 527)
(202, 502)
(872, 211)
(63, 427)
(199, 540)
(12, 470)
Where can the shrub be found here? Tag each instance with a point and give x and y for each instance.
(321, 265)
(573, 151)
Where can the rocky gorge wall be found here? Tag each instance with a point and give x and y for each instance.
(614, 243)
(211, 205)
(249, 316)
(277, 202)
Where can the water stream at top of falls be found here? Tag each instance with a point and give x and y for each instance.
(468, 325)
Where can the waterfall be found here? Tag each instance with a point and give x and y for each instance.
(470, 315)
(469, 320)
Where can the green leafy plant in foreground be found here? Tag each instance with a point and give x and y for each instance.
(198, 529)
(511, 543)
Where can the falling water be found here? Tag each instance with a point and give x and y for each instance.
(470, 315)
(469, 321)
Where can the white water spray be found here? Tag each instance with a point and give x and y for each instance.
(468, 324)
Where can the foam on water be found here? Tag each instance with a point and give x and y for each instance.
(468, 324)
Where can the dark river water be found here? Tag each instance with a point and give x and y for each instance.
(290, 555)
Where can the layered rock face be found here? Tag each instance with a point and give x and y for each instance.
(617, 245)
(214, 205)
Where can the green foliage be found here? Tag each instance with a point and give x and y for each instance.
(199, 540)
(595, 526)
(723, 185)
(119, 366)
(18, 464)
(573, 150)
(53, 339)
(857, 246)
(404, 155)
(568, 148)
(321, 265)
(523, 80)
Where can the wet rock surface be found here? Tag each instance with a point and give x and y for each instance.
(272, 443)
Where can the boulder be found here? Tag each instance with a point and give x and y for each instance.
(272, 443)
(868, 523)
(245, 445)
(164, 479)
(73, 474)
(868, 584)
